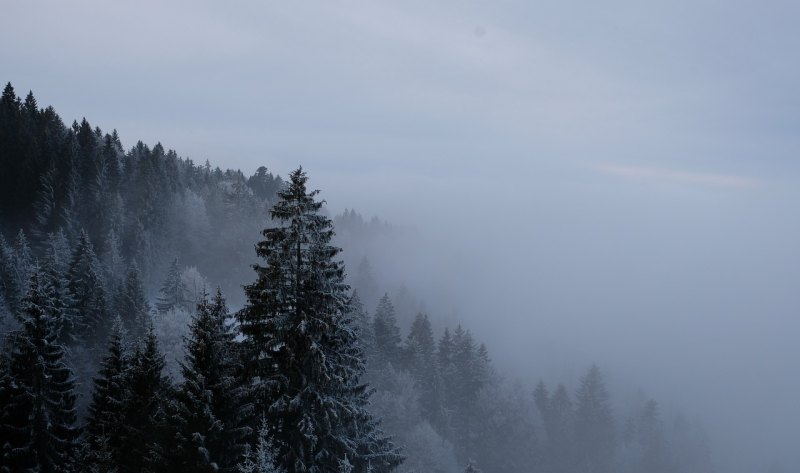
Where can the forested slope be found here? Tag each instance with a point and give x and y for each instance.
(107, 260)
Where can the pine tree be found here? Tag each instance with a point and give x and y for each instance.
(105, 421)
(303, 347)
(386, 333)
(39, 418)
(172, 291)
(594, 425)
(213, 408)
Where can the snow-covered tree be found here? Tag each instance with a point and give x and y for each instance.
(38, 419)
(131, 305)
(105, 421)
(302, 344)
(87, 289)
(172, 290)
(213, 408)
(262, 458)
(386, 334)
(144, 410)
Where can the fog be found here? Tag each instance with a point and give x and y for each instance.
(577, 183)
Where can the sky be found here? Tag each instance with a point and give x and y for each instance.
(616, 181)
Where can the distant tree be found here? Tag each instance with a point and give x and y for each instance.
(38, 419)
(131, 304)
(172, 291)
(302, 344)
(264, 184)
(87, 291)
(386, 334)
(420, 354)
(594, 425)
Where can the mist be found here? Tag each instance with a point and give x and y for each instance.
(576, 183)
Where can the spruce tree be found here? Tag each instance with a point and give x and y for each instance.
(594, 425)
(260, 459)
(38, 420)
(213, 408)
(54, 273)
(131, 305)
(386, 334)
(302, 344)
(86, 286)
(105, 421)
(145, 409)
(420, 354)
(172, 291)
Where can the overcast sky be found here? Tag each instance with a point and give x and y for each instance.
(621, 174)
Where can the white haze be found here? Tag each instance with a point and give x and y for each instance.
(606, 182)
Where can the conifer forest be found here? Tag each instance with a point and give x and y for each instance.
(399, 237)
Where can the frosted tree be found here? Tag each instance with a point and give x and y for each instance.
(54, 273)
(38, 419)
(86, 287)
(213, 408)
(144, 409)
(173, 290)
(131, 305)
(302, 344)
(386, 333)
(105, 420)
(420, 354)
(260, 459)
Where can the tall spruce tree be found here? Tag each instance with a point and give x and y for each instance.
(144, 432)
(38, 419)
(303, 346)
(106, 420)
(213, 407)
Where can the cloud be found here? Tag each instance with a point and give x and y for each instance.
(661, 174)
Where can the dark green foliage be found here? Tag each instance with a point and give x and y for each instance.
(213, 408)
(144, 412)
(91, 321)
(131, 305)
(38, 418)
(105, 424)
(302, 344)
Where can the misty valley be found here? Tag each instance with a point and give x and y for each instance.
(163, 315)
